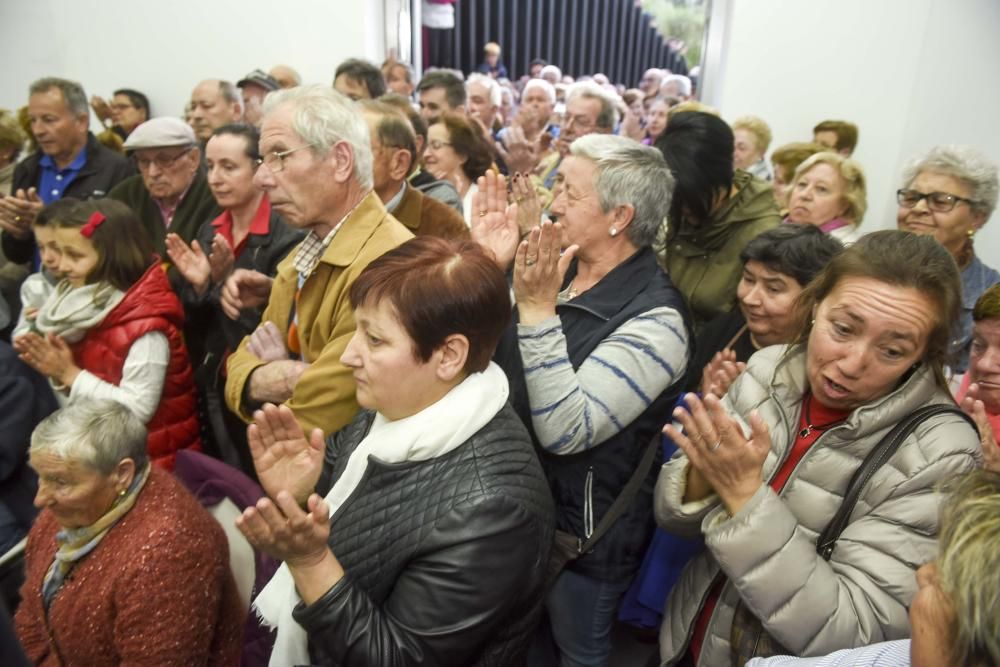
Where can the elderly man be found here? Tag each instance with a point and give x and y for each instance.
(650, 83)
(285, 76)
(394, 150)
(170, 194)
(255, 86)
(440, 92)
(522, 145)
(398, 78)
(359, 80)
(317, 171)
(69, 162)
(482, 101)
(677, 86)
(214, 103)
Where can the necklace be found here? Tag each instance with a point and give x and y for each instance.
(571, 291)
(810, 427)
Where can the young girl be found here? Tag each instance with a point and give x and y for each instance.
(112, 327)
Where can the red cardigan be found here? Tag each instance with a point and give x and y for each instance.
(157, 590)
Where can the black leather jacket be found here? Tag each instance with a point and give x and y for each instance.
(445, 559)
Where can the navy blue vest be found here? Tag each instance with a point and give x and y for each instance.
(630, 289)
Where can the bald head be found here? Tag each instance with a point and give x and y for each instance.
(214, 103)
(285, 76)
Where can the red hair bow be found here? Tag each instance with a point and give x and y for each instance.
(96, 220)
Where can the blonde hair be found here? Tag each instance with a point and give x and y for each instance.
(757, 127)
(854, 181)
(968, 566)
(691, 105)
(11, 134)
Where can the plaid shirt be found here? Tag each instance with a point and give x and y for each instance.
(313, 247)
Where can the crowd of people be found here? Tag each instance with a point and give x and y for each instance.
(461, 370)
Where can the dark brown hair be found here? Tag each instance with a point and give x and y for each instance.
(905, 260)
(467, 140)
(439, 288)
(847, 133)
(124, 249)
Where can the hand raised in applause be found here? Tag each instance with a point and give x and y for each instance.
(244, 289)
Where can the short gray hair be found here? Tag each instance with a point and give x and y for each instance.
(491, 85)
(683, 83)
(546, 87)
(629, 173)
(72, 92)
(97, 433)
(964, 163)
(593, 91)
(231, 93)
(324, 117)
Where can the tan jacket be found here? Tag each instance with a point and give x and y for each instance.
(426, 216)
(767, 550)
(324, 396)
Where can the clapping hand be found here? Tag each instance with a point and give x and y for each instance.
(973, 406)
(720, 372)
(221, 259)
(494, 223)
(50, 355)
(284, 458)
(18, 211)
(244, 289)
(266, 343)
(529, 208)
(281, 529)
(190, 261)
(539, 269)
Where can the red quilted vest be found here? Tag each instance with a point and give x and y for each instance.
(149, 305)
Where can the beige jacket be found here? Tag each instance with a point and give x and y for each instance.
(767, 550)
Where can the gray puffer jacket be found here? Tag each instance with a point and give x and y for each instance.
(767, 550)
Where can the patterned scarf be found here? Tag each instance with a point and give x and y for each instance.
(76, 543)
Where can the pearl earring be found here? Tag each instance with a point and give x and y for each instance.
(614, 231)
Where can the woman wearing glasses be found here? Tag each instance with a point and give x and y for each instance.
(949, 193)
(828, 191)
(458, 153)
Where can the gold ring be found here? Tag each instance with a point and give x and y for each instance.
(17, 218)
(482, 214)
(530, 261)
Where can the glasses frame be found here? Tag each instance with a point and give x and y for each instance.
(937, 208)
(161, 163)
(278, 158)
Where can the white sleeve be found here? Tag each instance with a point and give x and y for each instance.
(143, 376)
(573, 411)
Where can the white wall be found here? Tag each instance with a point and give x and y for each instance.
(165, 48)
(910, 73)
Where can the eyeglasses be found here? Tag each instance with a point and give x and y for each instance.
(275, 160)
(121, 107)
(161, 161)
(437, 144)
(939, 202)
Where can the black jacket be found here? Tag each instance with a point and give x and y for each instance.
(630, 289)
(445, 559)
(102, 171)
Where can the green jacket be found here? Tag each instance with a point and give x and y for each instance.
(704, 261)
(197, 207)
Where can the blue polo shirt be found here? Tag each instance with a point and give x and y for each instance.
(54, 181)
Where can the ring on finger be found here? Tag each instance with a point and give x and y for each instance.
(715, 446)
(530, 261)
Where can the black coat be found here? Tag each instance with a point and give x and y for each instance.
(445, 559)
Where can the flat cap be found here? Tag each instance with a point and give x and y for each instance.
(260, 78)
(159, 133)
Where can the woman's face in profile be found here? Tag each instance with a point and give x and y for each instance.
(77, 495)
(984, 362)
(866, 335)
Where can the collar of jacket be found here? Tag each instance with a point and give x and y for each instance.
(753, 199)
(355, 231)
(782, 369)
(622, 284)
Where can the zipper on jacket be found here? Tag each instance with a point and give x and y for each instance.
(588, 504)
(701, 608)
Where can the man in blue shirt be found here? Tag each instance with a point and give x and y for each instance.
(69, 162)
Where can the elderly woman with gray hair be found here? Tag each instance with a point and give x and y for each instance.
(596, 357)
(123, 566)
(949, 193)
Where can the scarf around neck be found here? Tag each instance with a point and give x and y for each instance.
(468, 407)
(70, 312)
(75, 543)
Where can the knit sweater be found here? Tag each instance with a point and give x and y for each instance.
(157, 590)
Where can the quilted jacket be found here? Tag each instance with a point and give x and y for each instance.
(149, 305)
(767, 550)
(445, 559)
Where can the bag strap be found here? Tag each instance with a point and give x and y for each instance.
(876, 458)
(624, 498)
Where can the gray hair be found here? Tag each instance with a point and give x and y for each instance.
(324, 117)
(231, 93)
(72, 92)
(97, 433)
(633, 174)
(546, 87)
(593, 91)
(683, 83)
(551, 69)
(491, 85)
(964, 163)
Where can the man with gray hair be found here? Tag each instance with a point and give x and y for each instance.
(317, 170)
(482, 100)
(214, 103)
(69, 162)
(677, 86)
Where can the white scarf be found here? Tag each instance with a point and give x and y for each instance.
(70, 312)
(432, 432)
